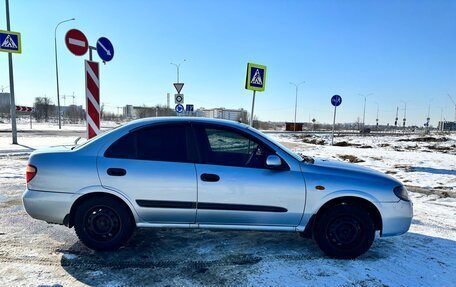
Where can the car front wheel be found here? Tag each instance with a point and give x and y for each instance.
(103, 223)
(344, 231)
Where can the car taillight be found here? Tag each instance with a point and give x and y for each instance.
(30, 172)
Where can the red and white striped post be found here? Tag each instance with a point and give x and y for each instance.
(92, 98)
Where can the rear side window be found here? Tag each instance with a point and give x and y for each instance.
(162, 143)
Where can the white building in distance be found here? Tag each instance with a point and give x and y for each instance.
(5, 99)
(238, 115)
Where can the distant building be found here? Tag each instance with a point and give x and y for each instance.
(5, 99)
(136, 112)
(127, 111)
(292, 127)
(65, 109)
(446, 126)
(222, 113)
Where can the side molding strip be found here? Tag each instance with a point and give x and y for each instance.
(208, 206)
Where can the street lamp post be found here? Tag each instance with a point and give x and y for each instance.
(405, 114)
(57, 67)
(428, 115)
(177, 68)
(376, 120)
(364, 111)
(296, 101)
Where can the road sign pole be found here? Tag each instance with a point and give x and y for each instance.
(11, 79)
(90, 53)
(255, 80)
(30, 120)
(336, 100)
(92, 98)
(334, 123)
(253, 106)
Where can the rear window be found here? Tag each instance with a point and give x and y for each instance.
(165, 143)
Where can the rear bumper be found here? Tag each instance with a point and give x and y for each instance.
(396, 217)
(51, 207)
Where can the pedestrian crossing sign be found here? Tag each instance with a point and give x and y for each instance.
(10, 42)
(256, 77)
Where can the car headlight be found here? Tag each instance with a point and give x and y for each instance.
(401, 192)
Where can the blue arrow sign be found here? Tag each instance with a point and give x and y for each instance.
(179, 108)
(105, 49)
(336, 100)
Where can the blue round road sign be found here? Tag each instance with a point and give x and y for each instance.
(179, 108)
(336, 100)
(105, 49)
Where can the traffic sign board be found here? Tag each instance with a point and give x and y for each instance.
(178, 87)
(179, 108)
(105, 49)
(256, 77)
(179, 98)
(76, 42)
(10, 42)
(24, 109)
(336, 100)
(189, 108)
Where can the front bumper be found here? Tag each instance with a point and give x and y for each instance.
(396, 217)
(51, 207)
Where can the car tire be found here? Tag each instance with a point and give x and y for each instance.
(103, 223)
(344, 231)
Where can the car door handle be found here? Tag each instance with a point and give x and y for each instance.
(210, 177)
(116, 171)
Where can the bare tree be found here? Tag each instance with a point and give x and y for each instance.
(75, 114)
(44, 108)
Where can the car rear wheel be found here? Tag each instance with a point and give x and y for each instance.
(103, 223)
(344, 231)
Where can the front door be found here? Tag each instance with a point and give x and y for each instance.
(235, 187)
(151, 166)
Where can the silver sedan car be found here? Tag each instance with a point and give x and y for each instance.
(201, 173)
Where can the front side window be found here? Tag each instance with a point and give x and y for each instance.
(162, 143)
(226, 147)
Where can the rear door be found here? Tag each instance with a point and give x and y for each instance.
(153, 167)
(235, 187)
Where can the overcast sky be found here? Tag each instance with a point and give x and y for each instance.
(395, 50)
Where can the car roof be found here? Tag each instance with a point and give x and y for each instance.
(155, 120)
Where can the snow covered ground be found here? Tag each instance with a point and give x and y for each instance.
(33, 253)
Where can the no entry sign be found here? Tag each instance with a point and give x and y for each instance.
(76, 42)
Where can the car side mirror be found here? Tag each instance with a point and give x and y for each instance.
(273, 161)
